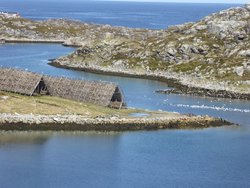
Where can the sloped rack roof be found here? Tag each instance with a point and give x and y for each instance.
(96, 92)
(80, 90)
(18, 81)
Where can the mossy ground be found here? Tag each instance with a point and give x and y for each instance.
(46, 105)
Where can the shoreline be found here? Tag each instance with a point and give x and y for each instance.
(35, 41)
(179, 88)
(22, 113)
(32, 41)
(10, 122)
(171, 82)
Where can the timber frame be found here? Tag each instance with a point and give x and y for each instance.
(31, 84)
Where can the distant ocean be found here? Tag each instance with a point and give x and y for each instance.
(129, 14)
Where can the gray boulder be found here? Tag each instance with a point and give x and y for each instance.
(239, 70)
(245, 53)
(201, 27)
(171, 51)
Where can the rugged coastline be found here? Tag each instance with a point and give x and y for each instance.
(207, 58)
(32, 41)
(113, 123)
(189, 86)
(19, 112)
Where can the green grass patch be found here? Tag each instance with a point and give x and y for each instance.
(12, 103)
(186, 67)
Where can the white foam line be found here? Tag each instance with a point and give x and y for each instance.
(212, 107)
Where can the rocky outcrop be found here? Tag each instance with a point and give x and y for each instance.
(184, 84)
(9, 15)
(210, 56)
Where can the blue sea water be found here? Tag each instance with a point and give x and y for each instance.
(216, 157)
(129, 14)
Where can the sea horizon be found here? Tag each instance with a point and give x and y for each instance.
(149, 15)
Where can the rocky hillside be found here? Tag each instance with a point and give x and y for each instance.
(213, 53)
(71, 31)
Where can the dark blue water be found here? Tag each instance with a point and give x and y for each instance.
(130, 14)
(217, 157)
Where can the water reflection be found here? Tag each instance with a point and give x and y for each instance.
(23, 138)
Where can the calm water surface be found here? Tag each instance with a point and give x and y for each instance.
(129, 14)
(218, 157)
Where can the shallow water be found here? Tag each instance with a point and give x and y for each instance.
(218, 157)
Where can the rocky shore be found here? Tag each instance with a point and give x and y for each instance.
(204, 92)
(15, 40)
(183, 84)
(207, 58)
(105, 123)
(19, 112)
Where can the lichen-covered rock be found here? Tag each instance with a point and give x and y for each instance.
(239, 70)
(245, 53)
